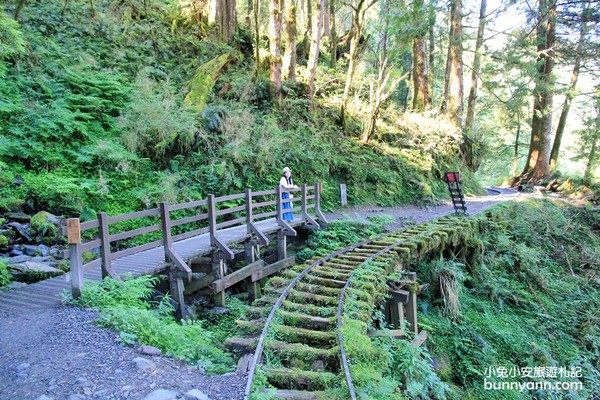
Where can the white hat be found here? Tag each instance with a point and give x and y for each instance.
(286, 169)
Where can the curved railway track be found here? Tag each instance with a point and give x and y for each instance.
(293, 331)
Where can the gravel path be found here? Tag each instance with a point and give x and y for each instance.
(58, 353)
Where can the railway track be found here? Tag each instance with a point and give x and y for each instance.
(293, 332)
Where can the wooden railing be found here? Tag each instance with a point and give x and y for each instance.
(180, 222)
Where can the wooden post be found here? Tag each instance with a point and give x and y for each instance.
(281, 245)
(279, 204)
(176, 288)
(74, 240)
(411, 313)
(105, 245)
(250, 248)
(320, 217)
(218, 268)
(212, 219)
(343, 195)
(248, 211)
(165, 219)
(304, 213)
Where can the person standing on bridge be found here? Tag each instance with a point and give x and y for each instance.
(287, 183)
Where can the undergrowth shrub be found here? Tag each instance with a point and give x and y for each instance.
(5, 275)
(126, 306)
(528, 306)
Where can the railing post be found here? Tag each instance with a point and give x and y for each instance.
(74, 240)
(249, 211)
(321, 218)
(212, 219)
(279, 204)
(165, 218)
(105, 245)
(304, 213)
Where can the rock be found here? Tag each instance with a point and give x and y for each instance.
(45, 224)
(18, 259)
(30, 266)
(162, 394)
(23, 367)
(44, 397)
(18, 180)
(77, 397)
(55, 251)
(21, 230)
(196, 394)
(15, 285)
(18, 216)
(143, 363)
(32, 250)
(127, 388)
(16, 252)
(219, 310)
(150, 350)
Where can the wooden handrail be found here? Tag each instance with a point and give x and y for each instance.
(216, 219)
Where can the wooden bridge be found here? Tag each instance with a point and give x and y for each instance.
(170, 238)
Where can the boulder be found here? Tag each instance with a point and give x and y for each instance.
(30, 266)
(41, 250)
(143, 363)
(162, 394)
(21, 230)
(45, 224)
(196, 394)
(18, 216)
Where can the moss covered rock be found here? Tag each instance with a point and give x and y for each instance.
(44, 224)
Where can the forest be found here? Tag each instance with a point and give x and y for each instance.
(118, 105)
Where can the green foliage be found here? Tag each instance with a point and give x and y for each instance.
(125, 307)
(339, 234)
(528, 303)
(40, 226)
(12, 42)
(154, 124)
(5, 275)
(223, 326)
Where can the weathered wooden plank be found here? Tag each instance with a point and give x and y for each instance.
(139, 214)
(264, 204)
(187, 220)
(190, 234)
(137, 249)
(265, 215)
(230, 197)
(273, 268)
(134, 232)
(201, 283)
(232, 222)
(190, 204)
(86, 226)
(92, 244)
(230, 210)
(263, 192)
(237, 276)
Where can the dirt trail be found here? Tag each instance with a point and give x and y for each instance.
(57, 353)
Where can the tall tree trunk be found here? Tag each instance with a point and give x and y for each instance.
(313, 58)
(444, 102)
(538, 159)
(587, 175)
(516, 154)
(275, 14)
(18, 9)
(332, 35)
(226, 19)
(257, 37)
(455, 86)
(421, 97)
(431, 62)
(420, 76)
(289, 57)
(248, 21)
(470, 121)
(570, 95)
(326, 19)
